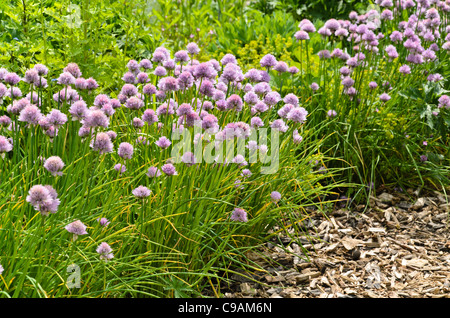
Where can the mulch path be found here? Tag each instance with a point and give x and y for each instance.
(397, 248)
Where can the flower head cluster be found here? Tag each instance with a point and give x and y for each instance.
(43, 198)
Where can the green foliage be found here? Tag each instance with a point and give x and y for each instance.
(312, 10)
(254, 35)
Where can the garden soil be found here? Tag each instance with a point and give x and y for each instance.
(395, 247)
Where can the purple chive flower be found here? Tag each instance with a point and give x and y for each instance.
(165, 109)
(138, 123)
(73, 69)
(272, 98)
(43, 198)
(251, 98)
(125, 150)
(101, 143)
(5, 145)
(169, 169)
(168, 84)
(293, 70)
(192, 48)
(17, 106)
(31, 114)
(297, 114)
(209, 121)
(332, 24)
(160, 71)
(153, 172)
(134, 102)
(163, 142)
(444, 101)
(142, 77)
(228, 58)
(133, 66)
(301, 35)
(129, 78)
(435, 77)
(105, 252)
(307, 26)
(38, 195)
(324, 54)
(265, 77)
(423, 158)
(207, 88)
(296, 137)
(234, 102)
(181, 56)
(11, 78)
(279, 125)
(275, 196)
(76, 228)
(256, 122)
(121, 168)
(80, 83)
(207, 105)
(141, 192)
(385, 97)
(188, 158)
(146, 64)
(314, 87)
(348, 81)
(283, 111)
(31, 76)
(253, 75)
(108, 110)
(281, 67)
(246, 173)
(231, 72)
(56, 118)
(405, 69)
(204, 70)
(3, 90)
(129, 90)
(391, 52)
(103, 222)
(149, 116)
(66, 79)
(331, 113)
(291, 99)
(239, 215)
(341, 33)
(101, 99)
(41, 69)
(112, 134)
(184, 109)
(185, 80)
(149, 89)
(373, 85)
(16, 92)
(54, 165)
(159, 57)
(261, 107)
(91, 84)
(5, 121)
(96, 118)
(268, 61)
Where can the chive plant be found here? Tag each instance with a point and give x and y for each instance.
(157, 190)
(378, 82)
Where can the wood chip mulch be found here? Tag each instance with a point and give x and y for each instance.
(397, 248)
